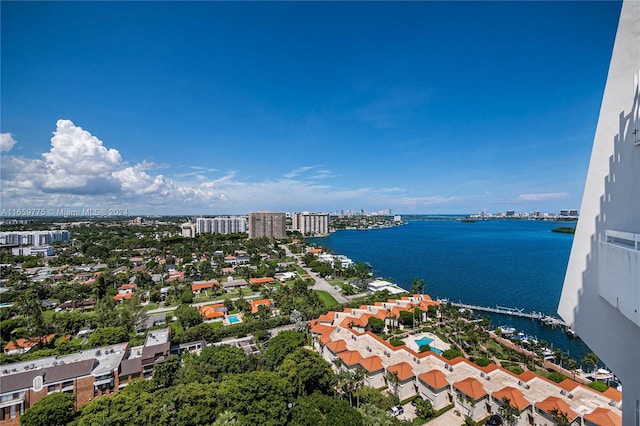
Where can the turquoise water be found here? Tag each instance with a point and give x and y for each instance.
(423, 341)
(233, 319)
(511, 263)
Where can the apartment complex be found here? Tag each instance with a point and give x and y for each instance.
(87, 374)
(342, 338)
(267, 224)
(33, 238)
(601, 294)
(310, 223)
(188, 230)
(221, 225)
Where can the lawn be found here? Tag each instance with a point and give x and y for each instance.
(326, 298)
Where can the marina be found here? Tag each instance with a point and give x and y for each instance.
(538, 316)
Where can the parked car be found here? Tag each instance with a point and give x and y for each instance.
(494, 420)
(396, 410)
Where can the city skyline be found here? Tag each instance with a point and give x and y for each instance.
(223, 108)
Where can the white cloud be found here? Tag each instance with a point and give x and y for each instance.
(543, 196)
(6, 142)
(79, 170)
(298, 171)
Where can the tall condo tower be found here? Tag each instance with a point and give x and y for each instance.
(267, 224)
(601, 293)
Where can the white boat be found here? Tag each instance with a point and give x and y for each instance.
(507, 331)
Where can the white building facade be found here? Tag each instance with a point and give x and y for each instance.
(601, 293)
(33, 238)
(221, 225)
(310, 223)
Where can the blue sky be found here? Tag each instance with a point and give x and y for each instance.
(214, 107)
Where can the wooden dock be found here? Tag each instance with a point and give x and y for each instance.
(538, 316)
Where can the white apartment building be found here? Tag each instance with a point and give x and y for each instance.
(221, 225)
(601, 294)
(33, 238)
(33, 251)
(188, 230)
(310, 223)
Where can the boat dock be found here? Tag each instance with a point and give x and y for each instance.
(539, 316)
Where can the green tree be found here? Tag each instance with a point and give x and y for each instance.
(417, 287)
(108, 336)
(323, 410)
(375, 324)
(226, 418)
(591, 359)
(188, 316)
(54, 409)
(307, 372)
(282, 345)
(508, 412)
(165, 373)
(424, 408)
(259, 397)
(215, 362)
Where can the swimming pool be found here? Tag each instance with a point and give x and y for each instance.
(233, 319)
(423, 341)
(426, 341)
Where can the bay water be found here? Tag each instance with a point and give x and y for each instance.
(507, 262)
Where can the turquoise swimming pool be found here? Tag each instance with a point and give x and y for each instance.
(233, 319)
(426, 341)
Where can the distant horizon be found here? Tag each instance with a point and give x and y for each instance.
(234, 106)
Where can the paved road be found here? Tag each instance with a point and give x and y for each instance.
(320, 283)
(196, 305)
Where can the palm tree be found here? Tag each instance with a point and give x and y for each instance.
(508, 412)
(591, 358)
(394, 380)
(559, 356)
(560, 418)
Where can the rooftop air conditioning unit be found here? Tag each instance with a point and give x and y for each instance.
(520, 382)
(481, 374)
(418, 361)
(570, 396)
(563, 392)
(488, 377)
(612, 403)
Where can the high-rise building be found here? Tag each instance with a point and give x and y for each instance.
(221, 225)
(601, 293)
(310, 223)
(188, 230)
(267, 224)
(33, 238)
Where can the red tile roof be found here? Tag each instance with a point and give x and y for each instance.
(337, 346)
(350, 357)
(515, 397)
(614, 394)
(255, 304)
(212, 311)
(265, 280)
(434, 378)
(603, 417)
(204, 286)
(403, 370)
(22, 343)
(471, 387)
(552, 402)
(372, 364)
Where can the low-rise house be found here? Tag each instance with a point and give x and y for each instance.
(198, 287)
(255, 304)
(471, 398)
(72, 305)
(433, 385)
(214, 312)
(517, 401)
(22, 345)
(404, 388)
(545, 410)
(374, 369)
(261, 281)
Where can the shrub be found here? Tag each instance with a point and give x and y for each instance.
(396, 342)
(599, 386)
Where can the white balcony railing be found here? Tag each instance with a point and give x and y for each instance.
(619, 272)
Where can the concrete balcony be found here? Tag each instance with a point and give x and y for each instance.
(619, 268)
